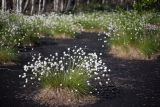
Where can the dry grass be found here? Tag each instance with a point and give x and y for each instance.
(92, 30)
(62, 97)
(7, 56)
(62, 36)
(127, 53)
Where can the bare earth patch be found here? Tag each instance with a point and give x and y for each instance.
(62, 97)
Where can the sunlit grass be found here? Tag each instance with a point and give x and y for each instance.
(71, 71)
(150, 44)
(75, 81)
(7, 55)
(131, 32)
(126, 28)
(155, 19)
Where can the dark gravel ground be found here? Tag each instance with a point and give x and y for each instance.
(136, 83)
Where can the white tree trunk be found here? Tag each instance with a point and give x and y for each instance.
(88, 2)
(26, 4)
(43, 6)
(61, 5)
(56, 5)
(17, 6)
(32, 6)
(4, 5)
(68, 5)
(20, 6)
(39, 8)
(103, 1)
(77, 2)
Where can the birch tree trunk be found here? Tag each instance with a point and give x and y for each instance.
(56, 5)
(25, 5)
(39, 7)
(103, 1)
(88, 2)
(61, 5)
(68, 5)
(20, 6)
(32, 6)
(3, 5)
(14, 5)
(17, 6)
(43, 6)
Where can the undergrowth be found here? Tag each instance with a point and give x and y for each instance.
(126, 28)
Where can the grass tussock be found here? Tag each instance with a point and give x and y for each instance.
(7, 55)
(127, 53)
(62, 97)
(75, 80)
(132, 33)
(68, 77)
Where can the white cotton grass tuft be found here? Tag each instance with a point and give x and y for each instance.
(75, 70)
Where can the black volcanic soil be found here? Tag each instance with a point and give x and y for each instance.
(136, 83)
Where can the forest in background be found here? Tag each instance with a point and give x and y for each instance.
(42, 6)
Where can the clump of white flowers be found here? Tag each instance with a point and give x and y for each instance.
(75, 66)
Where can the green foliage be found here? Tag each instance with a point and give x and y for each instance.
(92, 6)
(7, 55)
(150, 43)
(63, 27)
(145, 4)
(132, 32)
(126, 27)
(155, 19)
(88, 22)
(74, 80)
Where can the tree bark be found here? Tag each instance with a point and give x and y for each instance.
(17, 8)
(61, 5)
(20, 6)
(103, 1)
(56, 5)
(68, 5)
(43, 5)
(25, 5)
(32, 6)
(39, 7)
(4, 5)
(88, 1)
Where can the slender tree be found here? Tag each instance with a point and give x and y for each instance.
(17, 6)
(39, 7)
(43, 6)
(4, 5)
(61, 5)
(88, 1)
(68, 5)
(32, 6)
(25, 5)
(56, 5)
(103, 1)
(20, 5)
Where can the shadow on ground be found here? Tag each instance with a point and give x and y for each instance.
(135, 82)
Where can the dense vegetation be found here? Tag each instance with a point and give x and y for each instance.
(126, 29)
(132, 32)
(65, 6)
